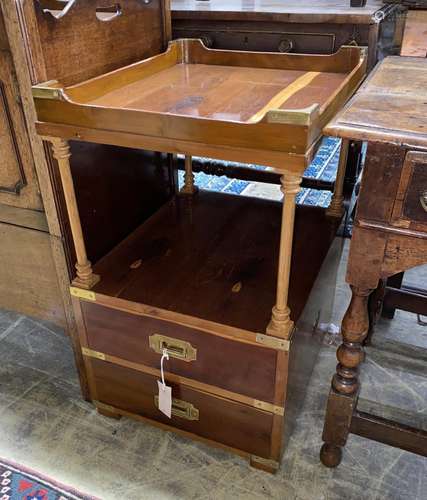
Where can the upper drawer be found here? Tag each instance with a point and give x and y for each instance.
(410, 207)
(232, 365)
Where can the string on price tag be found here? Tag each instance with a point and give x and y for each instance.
(165, 392)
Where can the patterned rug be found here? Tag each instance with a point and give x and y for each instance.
(323, 167)
(19, 483)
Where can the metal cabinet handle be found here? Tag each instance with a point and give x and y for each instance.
(181, 409)
(176, 348)
(423, 200)
(56, 8)
(106, 14)
(285, 45)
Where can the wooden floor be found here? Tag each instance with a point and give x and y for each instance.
(215, 257)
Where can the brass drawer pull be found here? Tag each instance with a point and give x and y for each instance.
(176, 348)
(423, 200)
(181, 409)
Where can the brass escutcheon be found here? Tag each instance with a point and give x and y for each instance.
(181, 409)
(176, 348)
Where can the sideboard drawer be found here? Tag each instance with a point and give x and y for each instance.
(276, 40)
(232, 365)
(233, 424)
(410, 208)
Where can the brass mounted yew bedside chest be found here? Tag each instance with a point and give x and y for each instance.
(206, 277)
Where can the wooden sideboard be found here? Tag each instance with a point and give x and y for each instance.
(28, 279)
(318, 26)
(28, 250)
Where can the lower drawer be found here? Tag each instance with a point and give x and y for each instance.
(226, 422)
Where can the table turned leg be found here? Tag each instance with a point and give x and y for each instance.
(189, 186)
(345, 383)
(281, 324)
(85, 277)
(336, 207)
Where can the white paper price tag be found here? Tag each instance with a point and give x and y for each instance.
(165, 399)
(165, 392)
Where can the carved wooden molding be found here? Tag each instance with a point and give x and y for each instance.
(21, 181)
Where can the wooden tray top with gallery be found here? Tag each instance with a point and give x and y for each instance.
(206, 278)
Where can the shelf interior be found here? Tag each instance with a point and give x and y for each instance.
(214, 256)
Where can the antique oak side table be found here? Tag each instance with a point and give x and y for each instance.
(199, 277)
(389, 236)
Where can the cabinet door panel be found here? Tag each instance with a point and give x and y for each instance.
(18, 183)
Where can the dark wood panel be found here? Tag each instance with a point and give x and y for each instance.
(315, 11)
(231, 365)
(79, 46)
(228, 246)
(18, 183)
(389, 432)
(412, 207)
(221, 420)
(406, 299)
(380, 182)
(119, 185)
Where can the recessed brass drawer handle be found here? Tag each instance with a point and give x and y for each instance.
(181, 409)
(176, 348)
(423, 200)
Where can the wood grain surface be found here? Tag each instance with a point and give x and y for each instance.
(391, 106)
(79, 45)
(230, 423)
(319, 11)
(201, 241)
(415, 36)
(224, 92)
(126, 336)
(173, 105)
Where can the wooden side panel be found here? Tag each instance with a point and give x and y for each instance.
(366, 251)
(232, 424)
(119, 185)
(415, 36)
(18, 184)
(79, 45)
(380, 182)
(28, 281)
(231, 365)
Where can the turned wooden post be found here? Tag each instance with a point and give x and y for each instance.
(345, 383)
(189, 187)
(354, 329)
(281, 324)
(85, 277)
(336, 207)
